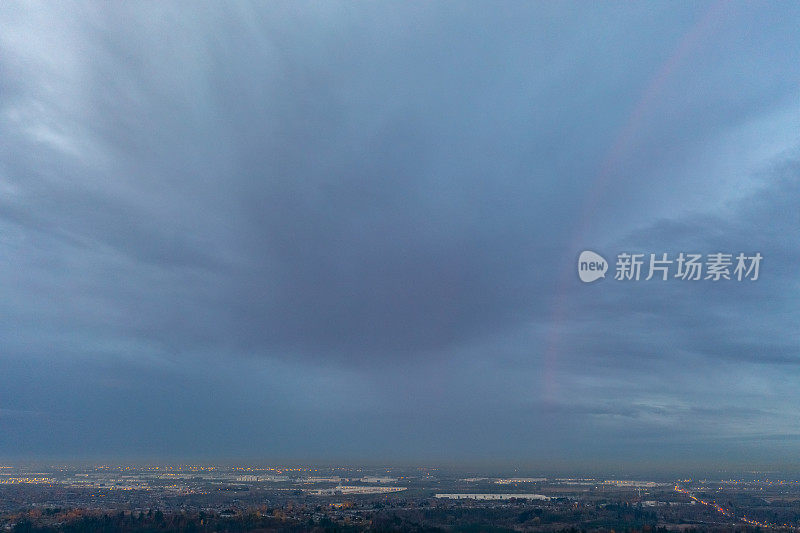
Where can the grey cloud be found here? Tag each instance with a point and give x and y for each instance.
(390, 196)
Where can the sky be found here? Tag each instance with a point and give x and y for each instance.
(336, 231)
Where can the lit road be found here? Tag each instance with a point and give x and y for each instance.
(722, 510)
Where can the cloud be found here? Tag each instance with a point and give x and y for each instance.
(285, 203)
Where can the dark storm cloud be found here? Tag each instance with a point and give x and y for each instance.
(264, 206)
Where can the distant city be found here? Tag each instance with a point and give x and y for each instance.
(116, 497)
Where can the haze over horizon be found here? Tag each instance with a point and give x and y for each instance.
(349, 232)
